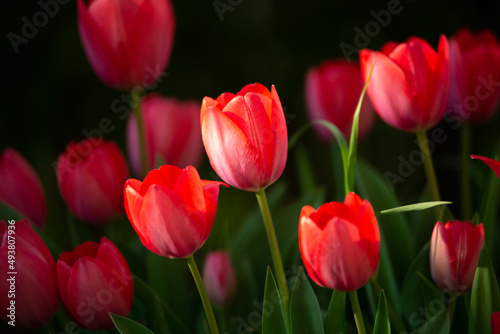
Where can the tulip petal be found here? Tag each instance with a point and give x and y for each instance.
(309, 236)
(493, 164)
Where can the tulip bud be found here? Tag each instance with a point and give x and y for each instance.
(94, 280)
(28, 283)
(454, 254)
(493, 164)
(21, 188)
(495, 323)
(219, 278)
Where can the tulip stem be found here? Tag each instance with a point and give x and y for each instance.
(212, 323)
(275, 252)
(466, 198)
(358, 316)
(429, 168)
(136, 107)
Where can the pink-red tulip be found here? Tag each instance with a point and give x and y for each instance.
(128, 43)
(475, 74)
(409, 84)
(340, 243)
(495, 323)
(21, 188)
(454, 254)
(332, 92)
(245, 136)
(28, 282)
(94, 280)
(219, 277)
(172, 130)
(493, 164)
(173, 210)
(91, 175)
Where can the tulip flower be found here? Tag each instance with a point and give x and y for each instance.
(28, 282)
(21, 188)
(172, 131)
(332, 91)
(128, 43)
(454, 254)
(91, 175)
(495, 323)
(94, 280)
(493, 164)
(340, 243)
(475, 73)
(245, 136)
(219, 277)
(409, 84)
(173, 210)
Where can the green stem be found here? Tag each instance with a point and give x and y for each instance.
(275, 252)
(465, 147)
(396, 322)
(136, 107)
(429, 169)
(203, 294)
(358, 316)
(452, 309)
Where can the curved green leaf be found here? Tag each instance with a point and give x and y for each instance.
(438, 323)
(414, 207)
(382, 323)
(335, 317)
(128, 326)
(305, 314)
(273, 317)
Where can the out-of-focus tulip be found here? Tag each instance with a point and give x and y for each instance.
(172, 130)
(409, 84)
(475, 74)
(173, 210)
(21, 188)
(94, 279)
(495, 323)
(28, 283)
(128, 43)
(219, 277)
(91, 175)
(493, 164)
(332, 93)
(454, 254)
(340, 243)
(245, 136)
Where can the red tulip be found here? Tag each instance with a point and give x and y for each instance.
(332, 93)
(128, 43)
(245, 136)
(219, 277)
(21, 188)
(172, 130)
(340, 243)
(475, 74)
(495, 323)
(493, 164)
(91, 175)
(173, 210)
(28, 284)
(409, 84)
(94, 280)
(454, 254)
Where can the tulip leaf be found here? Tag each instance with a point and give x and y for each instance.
(488, 209)
(485, 296)
(128, 326)
(305, 313)
(414, 207)
(438, 323)
(382, 324)
(335, 317)
(273, 317)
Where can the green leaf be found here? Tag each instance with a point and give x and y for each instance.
(273, 317)
(414, 207)
(335, 317)
(128, 326)
(382, 322)
(438, 323)
(305, 171)
(485, 296)
(488, 209)
(305, 314)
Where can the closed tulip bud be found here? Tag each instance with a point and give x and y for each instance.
(340, 243)
(332, 93)
(94, 280)
(495, 323)
(454, 254)
(493, 164)
(28, 283)
(128, 43)
(409, 85)
(173, 210)
(245, 136)
(219, 278)
(474, 74)
(21, 188)
(172, 130)
(91, 175)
